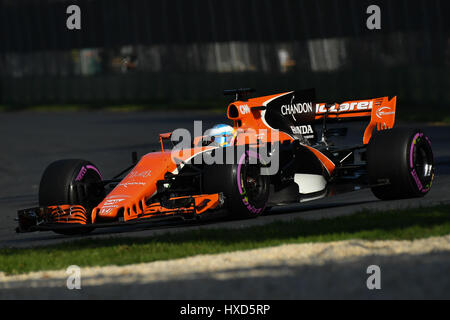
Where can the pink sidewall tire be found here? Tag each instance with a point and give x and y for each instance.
(400, 164)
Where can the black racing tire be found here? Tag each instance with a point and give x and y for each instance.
(402, 158)
(246, 191)
(56, 188)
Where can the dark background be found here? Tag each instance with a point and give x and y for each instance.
(146, 52)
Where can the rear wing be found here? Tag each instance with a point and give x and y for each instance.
(380, 111)
(294, 112)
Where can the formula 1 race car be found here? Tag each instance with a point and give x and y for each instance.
(277, 151)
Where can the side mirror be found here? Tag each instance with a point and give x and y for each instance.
(164, 136)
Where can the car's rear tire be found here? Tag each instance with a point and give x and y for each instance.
(246, 191)
(56, 188)
(400, 164)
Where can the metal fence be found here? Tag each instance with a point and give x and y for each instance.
(140, 51)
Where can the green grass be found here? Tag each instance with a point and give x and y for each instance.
(398, 224)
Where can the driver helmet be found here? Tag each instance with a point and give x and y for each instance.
(223, 134)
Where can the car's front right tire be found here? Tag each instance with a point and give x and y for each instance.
(246, 191)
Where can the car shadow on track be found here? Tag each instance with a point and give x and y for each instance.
(38, 239)
(293, 208)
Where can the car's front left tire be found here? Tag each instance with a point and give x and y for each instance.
(57, 187)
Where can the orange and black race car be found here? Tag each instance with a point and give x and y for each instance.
(278, 150)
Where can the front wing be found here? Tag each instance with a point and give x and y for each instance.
(62, 217)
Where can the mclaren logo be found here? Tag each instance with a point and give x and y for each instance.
(352, 106)
(296, 108)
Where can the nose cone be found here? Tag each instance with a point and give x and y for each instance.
(128, 198)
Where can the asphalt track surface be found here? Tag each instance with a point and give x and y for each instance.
(30, 141)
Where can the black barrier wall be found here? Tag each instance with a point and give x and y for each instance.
(138, 51)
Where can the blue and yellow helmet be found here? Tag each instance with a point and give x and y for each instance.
(223, 134)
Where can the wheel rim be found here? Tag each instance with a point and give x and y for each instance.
(421, 162)
(89, 198)
(251, 185)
